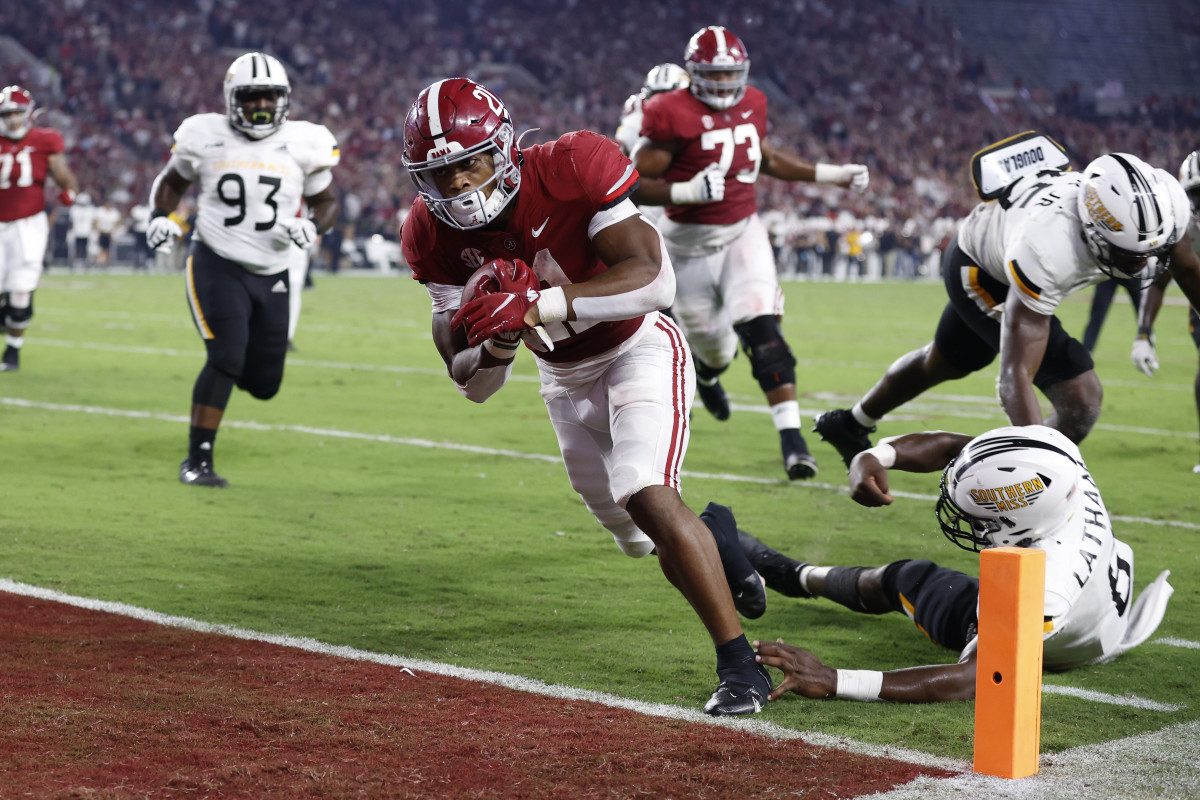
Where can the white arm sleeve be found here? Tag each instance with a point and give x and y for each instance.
(659, 293)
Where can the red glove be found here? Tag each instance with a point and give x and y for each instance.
(490, 314)
(66, 197)
(497, 276)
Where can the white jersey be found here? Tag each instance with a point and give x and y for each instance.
(1030, 240)
(629, 131)
(248, 186)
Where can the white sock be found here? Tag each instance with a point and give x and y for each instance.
(862, 417)
(786, 415)
(14, 341)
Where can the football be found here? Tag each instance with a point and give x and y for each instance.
(499, 275)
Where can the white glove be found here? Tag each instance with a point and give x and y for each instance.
(706, 186)
(855, 176)
(162, 232)
(1143, 355)
(302, 231)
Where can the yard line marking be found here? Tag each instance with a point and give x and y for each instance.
(1132, 701)
(516, 682)
(491, 451)
(1173, 642)
(950, 405)
(292, 361)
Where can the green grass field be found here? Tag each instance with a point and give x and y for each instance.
(372, 506)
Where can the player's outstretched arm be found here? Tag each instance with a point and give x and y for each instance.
(808, 676)
(928, 451)
(63, 176)
(789, 167)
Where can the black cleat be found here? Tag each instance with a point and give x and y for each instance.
(749, 596)
(843, 431)
(11, 362)
(200, 473)
(782, 574)
(797, 461)
(740, 694)
(714, 398)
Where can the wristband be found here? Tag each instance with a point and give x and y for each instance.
(552, 305)
(884, 453)
(859, 684)
(827, 173)
(502, 351)
(1145, 333)
(158, 212)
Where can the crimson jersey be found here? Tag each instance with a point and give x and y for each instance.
(563, 185)
(703, 136)
(24, 164)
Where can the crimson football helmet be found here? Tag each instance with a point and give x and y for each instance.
(254, 75)
(1011, 487)
(16, 110)
(715, 51)
(1128, 216)
(451, 121)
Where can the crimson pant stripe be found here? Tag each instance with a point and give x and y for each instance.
(678, 403)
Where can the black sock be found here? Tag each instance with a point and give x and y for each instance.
(200, 443)
(735, 660)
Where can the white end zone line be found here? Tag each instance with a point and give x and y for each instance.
(17, 402)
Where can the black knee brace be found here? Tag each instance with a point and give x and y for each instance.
(771, 360)
(17, 317)
(706, 373)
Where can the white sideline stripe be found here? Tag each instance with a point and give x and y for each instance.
(489, 451)
(1173, 642)
(515, 682)
(1130, 700)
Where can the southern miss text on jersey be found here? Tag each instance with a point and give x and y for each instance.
(1030, 240)
(564, 184)
(704, 136)
(248, 186)
(24, 165)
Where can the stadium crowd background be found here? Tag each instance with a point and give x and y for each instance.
(889, 83)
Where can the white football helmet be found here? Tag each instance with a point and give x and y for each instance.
(1011, 487)
(254, 75)
(16, 112)
(1189, 178)
(1128, 216)
(664, 78)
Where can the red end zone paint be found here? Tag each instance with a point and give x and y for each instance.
(98, 703)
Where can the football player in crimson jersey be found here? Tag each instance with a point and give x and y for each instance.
(616, 376)
(1091, 614)
(701, 152)
(254, 167)
(27, 156)
(1143, 354)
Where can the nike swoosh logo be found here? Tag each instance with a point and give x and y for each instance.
(538, 230)
(507, 300)
(746, 114)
